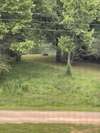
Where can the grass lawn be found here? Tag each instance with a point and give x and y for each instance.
(38, 83)
(48, 128)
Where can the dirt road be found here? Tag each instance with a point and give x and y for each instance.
(49, 117)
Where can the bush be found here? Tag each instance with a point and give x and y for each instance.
(4, 66)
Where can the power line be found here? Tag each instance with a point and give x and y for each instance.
(51, 30)
(47, 29)
(11, 11)
(35, 21)
(41, 29)
(43, 22)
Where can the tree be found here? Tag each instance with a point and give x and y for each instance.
(15, 15)
(77, 17)
(67, 45)
(23, 47)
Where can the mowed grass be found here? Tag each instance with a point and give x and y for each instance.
(48, 128)
(38, 83)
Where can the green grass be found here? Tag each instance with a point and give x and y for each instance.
(38, 83)
(48, 128)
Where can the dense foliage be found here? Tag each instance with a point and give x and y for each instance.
(72, 17)
(14, 17)
(23, 23)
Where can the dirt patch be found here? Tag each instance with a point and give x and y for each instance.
(76, 131)
(90, 130)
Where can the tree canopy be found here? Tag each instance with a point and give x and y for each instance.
(23, 20)
(14, 16)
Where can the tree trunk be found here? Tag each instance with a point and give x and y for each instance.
(69, 58)
(69, 71)
(64, 57)
(58, 55)
(18, 57)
